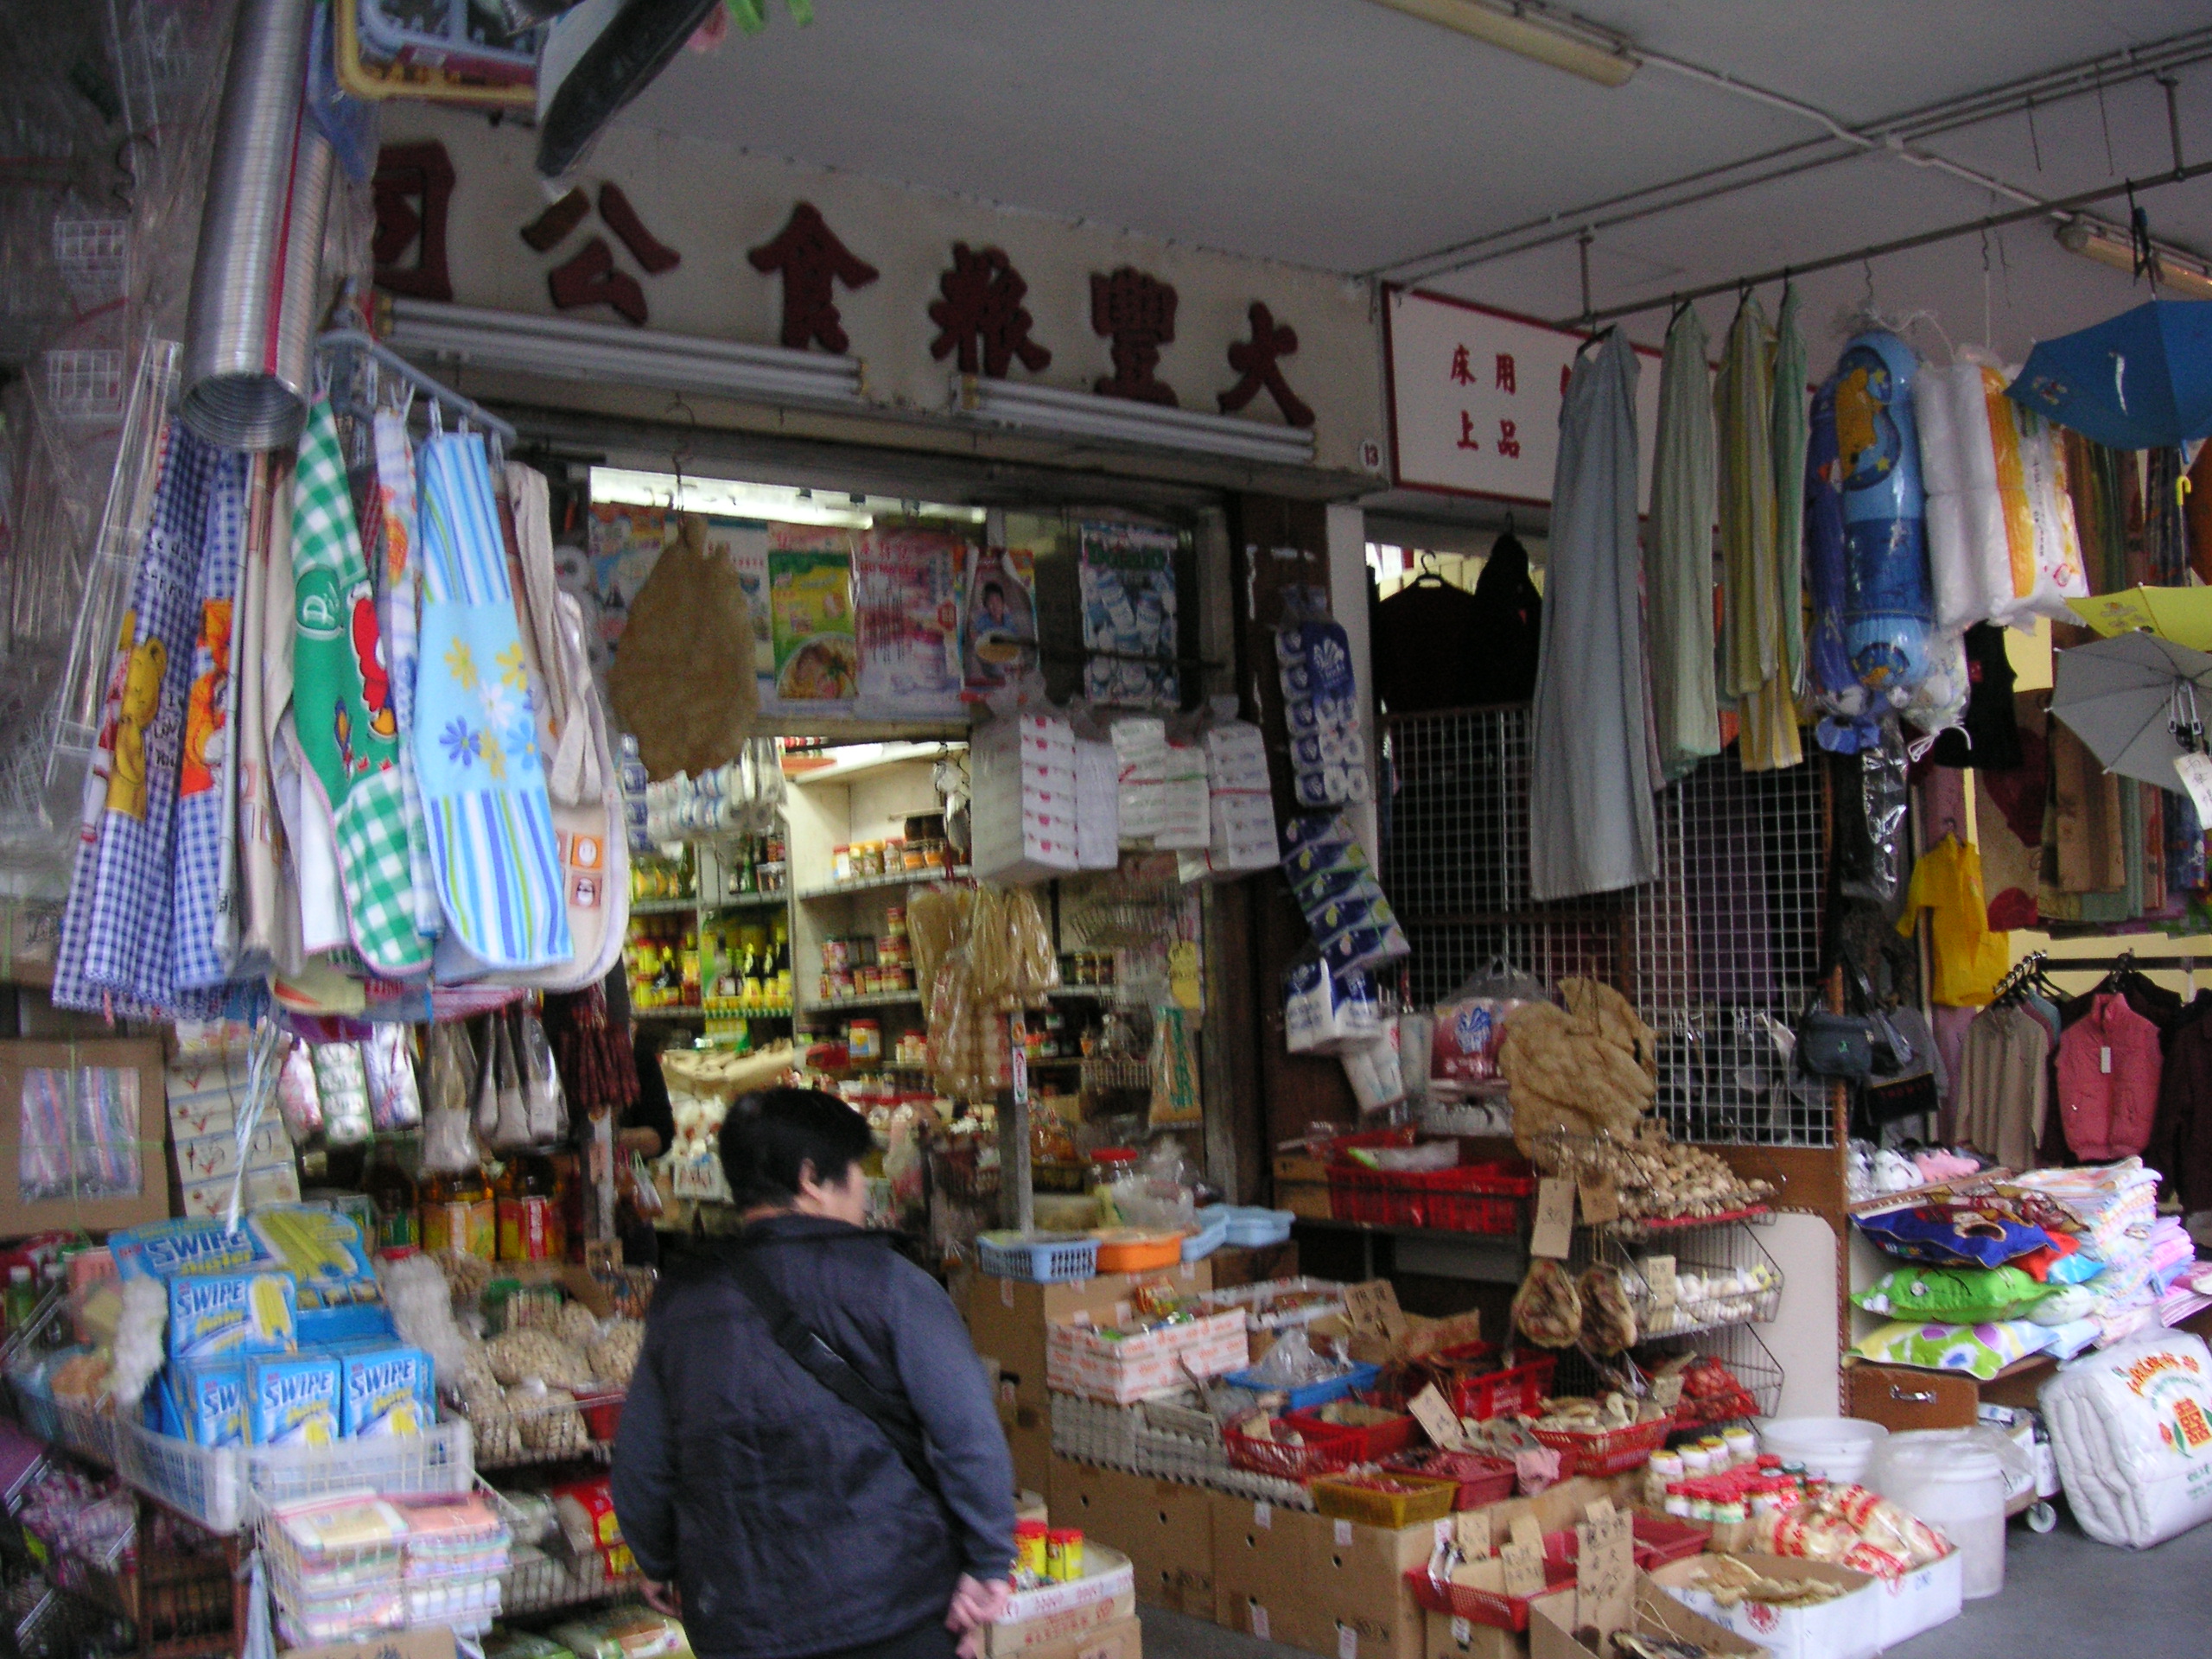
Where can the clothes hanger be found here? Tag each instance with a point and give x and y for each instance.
(334, 340)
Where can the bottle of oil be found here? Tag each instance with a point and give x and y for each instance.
(529, 1221)
(459, 1218)
(392, 1190)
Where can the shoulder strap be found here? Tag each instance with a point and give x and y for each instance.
(833, 1370)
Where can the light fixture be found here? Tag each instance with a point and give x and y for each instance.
(731, 497)
(569, 350)
(2184, 273)
(1534, 32)
(1082, 414)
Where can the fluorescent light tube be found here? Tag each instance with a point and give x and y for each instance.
(2182, 273)
(1580, 49)
(1082, 414)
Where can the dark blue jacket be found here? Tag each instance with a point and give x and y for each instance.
(784, 1515)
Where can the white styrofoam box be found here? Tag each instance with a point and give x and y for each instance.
(1185, 819)
(213, 1156)
(1140, 762)
(1099, 808)
(1850, 1627)
(1023, 808)
(1077, 1360)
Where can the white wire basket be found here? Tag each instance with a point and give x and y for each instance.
(84, 385)
(94, 257)
(538, 1582)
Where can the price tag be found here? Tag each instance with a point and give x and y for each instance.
(1524, 1569)
(1463, 1631)
(1659, 1279)
(1527, 1529)
(1259, 1621)
(1554, 1231)
(1604, 1573)
(1343, 1535)
(1599, 1199)
(1263, 1517)
(1435, 1414)
(1470, 1531)
(1347, 1642)
(1597, 1508)
(2196, 772)
(1371, 1309)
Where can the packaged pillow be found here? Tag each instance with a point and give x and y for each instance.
(1955, 1296)
(2059, 1261)
(2063, 1305)
(1980, 1350)
(1951, 1233)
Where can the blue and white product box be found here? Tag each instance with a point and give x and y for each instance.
(211, 1401)
(294, 1400)
(161, 1249)
(386, 1391)
(215, 1314)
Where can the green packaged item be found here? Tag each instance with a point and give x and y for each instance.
(321, 1248)
(1953, 1295)
(523, 1644)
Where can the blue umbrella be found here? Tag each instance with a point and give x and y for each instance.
(2141, 380)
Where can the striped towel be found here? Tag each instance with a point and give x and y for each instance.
(491, 835)
(341, 698)
(401, 584)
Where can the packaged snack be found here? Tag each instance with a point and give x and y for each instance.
(386, 1391)
(211, 1402)
(811, 615)
(215, 1315)
(160, 1248)
(292, 1400)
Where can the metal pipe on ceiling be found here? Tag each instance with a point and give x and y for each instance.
(1881, 250)
(1893, 135)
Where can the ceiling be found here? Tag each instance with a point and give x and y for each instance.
(1340, 135)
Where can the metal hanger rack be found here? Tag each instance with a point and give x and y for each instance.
(355, 339)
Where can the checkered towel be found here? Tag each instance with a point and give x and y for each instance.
(342, 700)
(203, 776)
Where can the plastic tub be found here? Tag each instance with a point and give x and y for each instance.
(1837, 1449)
(1313, 1393)
(1129, 1249)
(1213, 1232)
(1957, 1483)
(1253, 1228)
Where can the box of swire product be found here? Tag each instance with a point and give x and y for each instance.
(211, 1399)
(292, 1400)
(385, 1390)
(215, 1315)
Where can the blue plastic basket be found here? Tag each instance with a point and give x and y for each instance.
(1314, 1394)
(1037, 1258)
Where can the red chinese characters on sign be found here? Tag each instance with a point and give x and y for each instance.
(1509, 441)
(811, 258)
(1259, 361)
(1136, 312)
(982, 317)
(1463, 373)
(591, 278)
(1467, 431)
(1503, 374)
(413, 192)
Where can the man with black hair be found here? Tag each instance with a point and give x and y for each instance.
(810, 1462)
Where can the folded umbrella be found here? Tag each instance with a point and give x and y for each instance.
(2141, 380)
(2133, 700)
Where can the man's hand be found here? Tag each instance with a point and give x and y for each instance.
(663, 1598)
(974, 1606)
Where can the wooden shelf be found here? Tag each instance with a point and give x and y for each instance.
(662, 907)
(875, 883)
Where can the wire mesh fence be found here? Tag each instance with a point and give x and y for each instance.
(1718, 954)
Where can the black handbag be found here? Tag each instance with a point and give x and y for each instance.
(1854, 1047)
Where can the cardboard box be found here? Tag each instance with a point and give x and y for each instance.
(1164, 1527)
(1236, 1265)
(1077, 1360)
(1007, 1320)
(1123, 1639)
(1309, 1580)
(1301, 1185)
(1053, 1614)
(1922, 1599)
(1452, 1637)
(1849, 1627)
(1658, 1613)
(132, 1070)
(1358, 1583)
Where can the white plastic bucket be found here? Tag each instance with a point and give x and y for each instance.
(1958, 1486)
(1837, 1449)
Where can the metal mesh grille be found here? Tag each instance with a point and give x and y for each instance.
(1718, 955)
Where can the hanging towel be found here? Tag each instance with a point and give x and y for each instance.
(343, 715)
(1592, 822)
(491, 835)
(397, 613)
(1678, 572)
(210, 730)
(1792, 433)
(1755, 667)
(238, 749)
(129, 937)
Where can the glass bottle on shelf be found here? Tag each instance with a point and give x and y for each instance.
(396, 1198)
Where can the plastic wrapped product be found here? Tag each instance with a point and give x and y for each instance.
(395, 1103)
(297, 1096)
(2132, 1429)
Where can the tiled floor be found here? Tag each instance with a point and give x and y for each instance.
(2064, 1595)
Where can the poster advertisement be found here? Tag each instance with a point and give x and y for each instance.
(811, 619)
(998, 634)
(744, 543)
(625, 543)
(1128, 574)
(906, 601)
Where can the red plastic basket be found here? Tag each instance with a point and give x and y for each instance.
(1372, 1442)
(1483, 1480)
(1491, 1198)
(1326, 1450)
(1491, 1607)
(1516, 1390)
(1657, 1539)
(1613, 1452)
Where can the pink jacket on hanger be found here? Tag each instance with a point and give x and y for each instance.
(2109, 1073)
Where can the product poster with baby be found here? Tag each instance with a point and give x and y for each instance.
(998, 636)
(1129, 614)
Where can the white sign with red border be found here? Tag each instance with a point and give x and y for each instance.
(1475, 398)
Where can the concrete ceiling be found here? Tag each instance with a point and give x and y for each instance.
(1339, 135)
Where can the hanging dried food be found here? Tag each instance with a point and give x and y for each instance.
(1547, 1309)
(1608, 1321)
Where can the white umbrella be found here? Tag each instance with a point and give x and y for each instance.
(2133, 700)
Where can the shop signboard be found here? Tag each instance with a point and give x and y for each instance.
(1475, 397)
